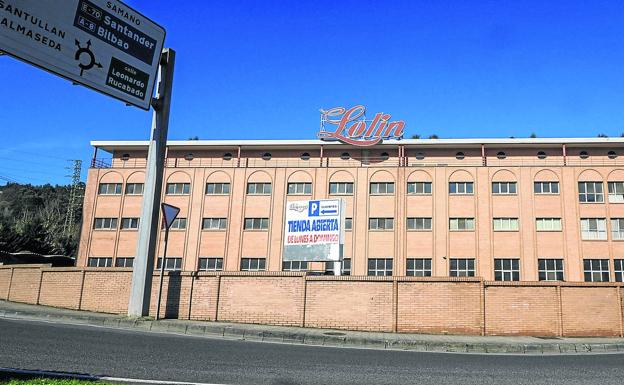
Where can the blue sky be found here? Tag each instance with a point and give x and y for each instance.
(261, 70)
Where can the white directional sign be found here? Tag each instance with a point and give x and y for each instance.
(314, 230)
(102, 44)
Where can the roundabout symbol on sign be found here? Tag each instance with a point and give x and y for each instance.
(87, 51)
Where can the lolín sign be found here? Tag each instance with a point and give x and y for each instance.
(352, 127)
(314, 230)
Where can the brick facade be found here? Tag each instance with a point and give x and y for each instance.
(403, 304)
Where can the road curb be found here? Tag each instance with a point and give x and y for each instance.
(318, 337)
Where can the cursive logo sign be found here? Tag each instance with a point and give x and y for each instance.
(352, 127)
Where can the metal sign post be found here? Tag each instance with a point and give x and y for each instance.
(141, 289)
(169, 215)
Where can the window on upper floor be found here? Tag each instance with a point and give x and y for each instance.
(550, 269)
(178, 188)
(593, 229)
(596, 270)
(178, 224)
(382, 188)
(253, 264)
(294, 265)
(546, 187)
(256, 224)
(258, 188)
(341, 188)
(504, 188)
(462, 267)
(300, 188)
(100, 262)
(618, 268)
(419, 188)
(381, 223)
(130, 223)
(217, 188)
(617, 228)
(616, 192)
(461, 224)
(419, 224)
(380, 267)
(418, 267)
(105, 224)
(348, 223)
(507, 269)
(214, 223)
(505, 224)
(109, 189)
(548, 224)
(171, 264)
(210, 264)
(345, 270)
(124, 262)
(134, 188)
(590, 192)
(458, 188)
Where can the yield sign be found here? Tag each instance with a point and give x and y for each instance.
(169, 214)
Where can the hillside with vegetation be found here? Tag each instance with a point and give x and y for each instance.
(32, 218)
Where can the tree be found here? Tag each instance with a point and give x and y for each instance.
(602, 136)
(416, 136)
(533, 135)
(434, 136)
(194, 138)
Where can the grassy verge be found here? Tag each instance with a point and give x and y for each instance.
(47, 381)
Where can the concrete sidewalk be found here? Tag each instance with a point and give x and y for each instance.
(321, 337)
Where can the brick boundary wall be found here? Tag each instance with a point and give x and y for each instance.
(389, 304)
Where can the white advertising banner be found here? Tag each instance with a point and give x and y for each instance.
(314, 230)
(102, 44)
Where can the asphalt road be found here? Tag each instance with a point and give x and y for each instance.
(141, 355)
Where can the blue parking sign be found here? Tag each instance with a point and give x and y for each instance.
(314, 208)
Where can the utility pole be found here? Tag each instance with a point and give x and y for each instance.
(74, 196)
(149, 228)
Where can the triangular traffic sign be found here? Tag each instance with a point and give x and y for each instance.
(169, 214)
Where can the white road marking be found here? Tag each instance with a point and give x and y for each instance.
(91, 378)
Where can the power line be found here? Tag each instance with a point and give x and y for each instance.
(75, 196)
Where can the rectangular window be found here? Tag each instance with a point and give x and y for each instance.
(546, 187)
(381, 223)
(217, 188)
(419, 188)
(299, 188)
(253, 264)
(130, 223)
(256, 224)
(590, 192)
(294, 265)
(134, 188)
(210, 264)
(461, 267)
(618, 267)
(504, 188)
(593, 229)
(382, 188)
(418, 267)
(505, 224)
(348, 223)
(506, 269)
(109, 189)
(461, 224)
(214, 224)
(550, 269)
(259, 188)
(341, 188)
(458, 188)
(380, 267)
(178, 224)
(616, 192)
(178, 188)
(105, 224)
(100, 262)
(419, 224)
(617, 228)
(171, 264)
(596, 270)
(548, 224)
(346, 267)
(124, 262)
